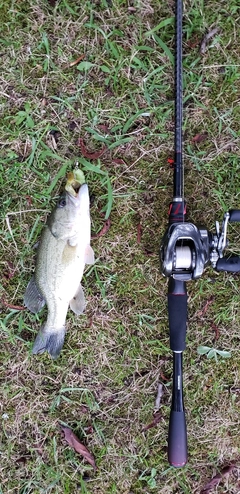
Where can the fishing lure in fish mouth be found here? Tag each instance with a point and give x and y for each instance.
(75, 179)
(63, 252)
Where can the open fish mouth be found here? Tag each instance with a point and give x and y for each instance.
(75, 180)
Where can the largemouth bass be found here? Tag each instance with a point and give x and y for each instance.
(63, 251)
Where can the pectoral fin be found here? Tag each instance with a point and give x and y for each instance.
(33, 298)
(89, 255)
(78, 303)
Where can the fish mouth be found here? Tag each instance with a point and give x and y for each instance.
(75, 180)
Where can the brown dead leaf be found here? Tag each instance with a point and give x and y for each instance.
(163, 377)
(89, 429)
(216, 329)
(202, 312)
(119, 161)
(104, 229)
(89, 155)
(104, 128)
(139, 233)
(148, 252)
(29, 200)
(23, 459)
(199, 138)
(217, 479)
(193, 42)
(73, 441)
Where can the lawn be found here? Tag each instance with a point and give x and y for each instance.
(91, 84)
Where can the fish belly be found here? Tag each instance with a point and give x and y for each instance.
(58, 274)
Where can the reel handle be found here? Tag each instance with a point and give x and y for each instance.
(230, 264)
(234, 215)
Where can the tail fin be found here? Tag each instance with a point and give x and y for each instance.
(52, 342)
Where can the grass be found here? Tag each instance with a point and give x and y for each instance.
(120, 95)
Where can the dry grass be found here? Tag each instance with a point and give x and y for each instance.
(104, 385)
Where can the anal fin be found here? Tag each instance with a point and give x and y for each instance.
(89, 255)
(78, 303)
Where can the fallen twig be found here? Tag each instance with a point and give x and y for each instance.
(11, 306)
(75, 62)
(160, 394)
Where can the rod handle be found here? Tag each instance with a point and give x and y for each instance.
(230, 264)
(177, 439)
(177, 314)
(234, 215)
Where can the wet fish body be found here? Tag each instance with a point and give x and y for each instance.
(63, 251)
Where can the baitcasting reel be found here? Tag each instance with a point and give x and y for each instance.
(187, 249)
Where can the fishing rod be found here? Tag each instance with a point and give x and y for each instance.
(185, 251)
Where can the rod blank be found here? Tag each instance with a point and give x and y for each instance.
(178, 161)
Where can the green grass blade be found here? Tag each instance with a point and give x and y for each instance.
(89, 167)
(109, 197)
(202, 350)
(165, 48)
(119, 142)
(161, 24)
(61, 173)
(130, 121)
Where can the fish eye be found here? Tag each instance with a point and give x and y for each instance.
(62, 202)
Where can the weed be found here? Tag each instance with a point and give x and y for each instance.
(213, 352)
(150, 479)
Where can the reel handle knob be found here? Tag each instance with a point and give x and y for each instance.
(234, 215)
(230, 264)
